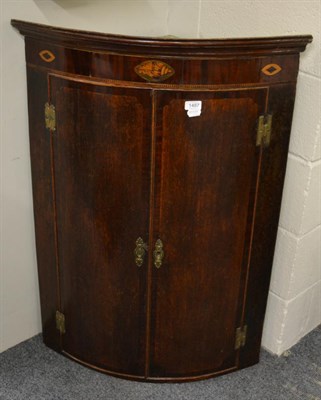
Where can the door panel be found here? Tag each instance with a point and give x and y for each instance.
(101, 153)
(205, 180)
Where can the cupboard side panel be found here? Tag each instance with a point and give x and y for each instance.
(40, 152)
(280, 105)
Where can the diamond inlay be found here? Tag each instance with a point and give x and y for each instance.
(47, 56)
(271, 69)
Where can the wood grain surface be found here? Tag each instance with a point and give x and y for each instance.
(124, 161)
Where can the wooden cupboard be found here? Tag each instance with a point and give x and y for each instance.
(158, 167)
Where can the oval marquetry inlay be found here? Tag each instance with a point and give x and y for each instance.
(271, 69)
(154, 70)
(47, 56)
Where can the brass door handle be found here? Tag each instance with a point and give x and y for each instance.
(140, 251)
(158, 253)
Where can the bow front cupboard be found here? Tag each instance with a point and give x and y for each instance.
(158, 167)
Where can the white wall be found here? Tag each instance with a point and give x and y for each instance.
(295, 296)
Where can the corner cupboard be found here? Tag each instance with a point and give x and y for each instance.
(158, 168)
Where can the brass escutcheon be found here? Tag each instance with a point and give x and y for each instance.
(140, 251)
(158, 253)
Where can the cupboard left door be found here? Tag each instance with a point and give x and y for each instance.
(101, 179)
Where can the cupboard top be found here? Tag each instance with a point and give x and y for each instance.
(162, 63)
(163, 46)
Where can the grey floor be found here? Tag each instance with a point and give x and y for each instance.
(30, 371)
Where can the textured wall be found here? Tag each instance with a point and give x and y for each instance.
(295, 296)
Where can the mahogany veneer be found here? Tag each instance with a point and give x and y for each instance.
(155, 230)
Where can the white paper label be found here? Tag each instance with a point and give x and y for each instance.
(193, 108)
(193, 113)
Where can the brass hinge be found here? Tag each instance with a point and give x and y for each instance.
(60, 322)
(264, 127)
(50, 116)
(240, 339)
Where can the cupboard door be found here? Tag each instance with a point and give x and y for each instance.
(206, 177)
(101, 167)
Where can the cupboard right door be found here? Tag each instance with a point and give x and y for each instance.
(207, 172)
